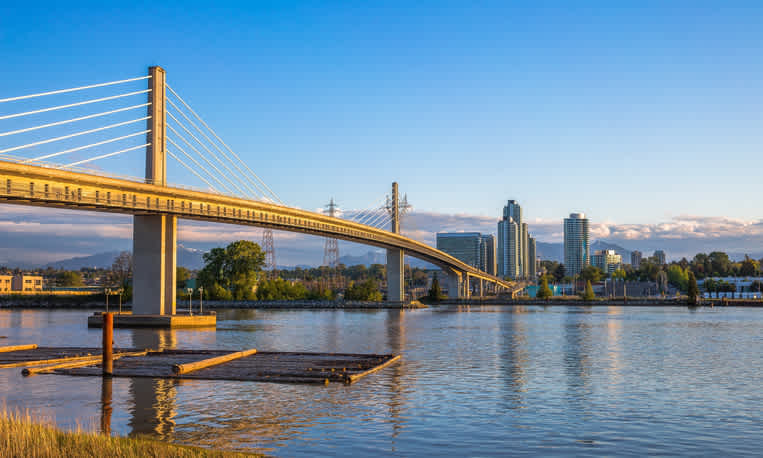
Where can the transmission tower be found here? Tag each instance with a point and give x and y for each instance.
(270, 251)
(331, 248)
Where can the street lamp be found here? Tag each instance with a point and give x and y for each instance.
(190, 297)
(201, 300)
(108, 292)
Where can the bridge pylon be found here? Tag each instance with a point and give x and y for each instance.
(155, 236)
(395, 256)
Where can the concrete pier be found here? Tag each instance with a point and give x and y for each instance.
(128, 320)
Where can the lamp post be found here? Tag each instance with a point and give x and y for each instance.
(201, 300)
(120, 291)
(108, 292)
(190, 298)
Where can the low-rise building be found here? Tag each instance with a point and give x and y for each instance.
(5, 283)
(607, 260)
(26, 283)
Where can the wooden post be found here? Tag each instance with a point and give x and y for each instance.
(108, 343)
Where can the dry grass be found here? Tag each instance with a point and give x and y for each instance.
(21, 436)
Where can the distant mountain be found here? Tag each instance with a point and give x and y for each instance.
(604, 245)
(186, 257)
(371, 257)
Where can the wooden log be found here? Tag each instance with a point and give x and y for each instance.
(17, 348)
(40, 362)
(352, 378)
(190, 367)
(69, 365)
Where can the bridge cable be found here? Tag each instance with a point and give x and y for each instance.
(64, 137)
(357, 216)
(69, 105)
(211, 153)
(373, 213)
(106, 155)
(61, 91)
(372, 216)
(193, 171)
(224, 144)
(227, 189)
(47, 156)
(200, 166)
(81, 118)
(377, 219)
(255, 192)
(383, 222)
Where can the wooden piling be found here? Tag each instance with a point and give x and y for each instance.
(17, 348)
(190, 367)
(108, 343)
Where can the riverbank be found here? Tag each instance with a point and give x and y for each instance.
(620, 302)
(99, 303)
(20, 435)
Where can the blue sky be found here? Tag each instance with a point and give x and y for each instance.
(634, 112)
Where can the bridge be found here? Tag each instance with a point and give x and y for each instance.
(156, 205)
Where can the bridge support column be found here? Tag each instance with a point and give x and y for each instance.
(395, 275)
(454, 285)
(482, 287)
(467, 286)
(154, 264)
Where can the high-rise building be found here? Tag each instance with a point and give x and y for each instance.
(473, 248)
(532, 260)
(607, 260)
(659, 256)
(488, 254)
(576, 248)
(635, 259)
(513, 251)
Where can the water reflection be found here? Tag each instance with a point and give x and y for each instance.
(152, 400)
(514, 356)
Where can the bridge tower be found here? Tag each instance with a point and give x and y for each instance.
(155, 236)
(270, 251)
(395, 256)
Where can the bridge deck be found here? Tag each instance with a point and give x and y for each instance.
(279, 367)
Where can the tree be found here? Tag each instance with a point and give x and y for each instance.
(591, 274)
(749, 267)
(234, 268)
(619, 274)
(678, 277)
(182, 275)
(121, 269)
(560, 272)
(69, 278)
(693, 291)
(365, 291)
(588, 294)
(544, 292)
(434, 291)
(720, 263)
(662, 282)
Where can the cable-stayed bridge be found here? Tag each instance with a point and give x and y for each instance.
(44, 163)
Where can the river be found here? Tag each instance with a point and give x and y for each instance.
(474, 380)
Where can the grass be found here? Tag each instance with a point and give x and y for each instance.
(21, 436)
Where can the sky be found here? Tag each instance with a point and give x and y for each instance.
(644, 115)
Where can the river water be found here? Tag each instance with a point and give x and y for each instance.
(472, 381)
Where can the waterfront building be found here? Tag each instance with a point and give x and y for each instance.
(513, 251)
(660, 258)
(606, 260)
(26, 283)
(635, 259)
(576, 247)
(5, 283)
(473, 248)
